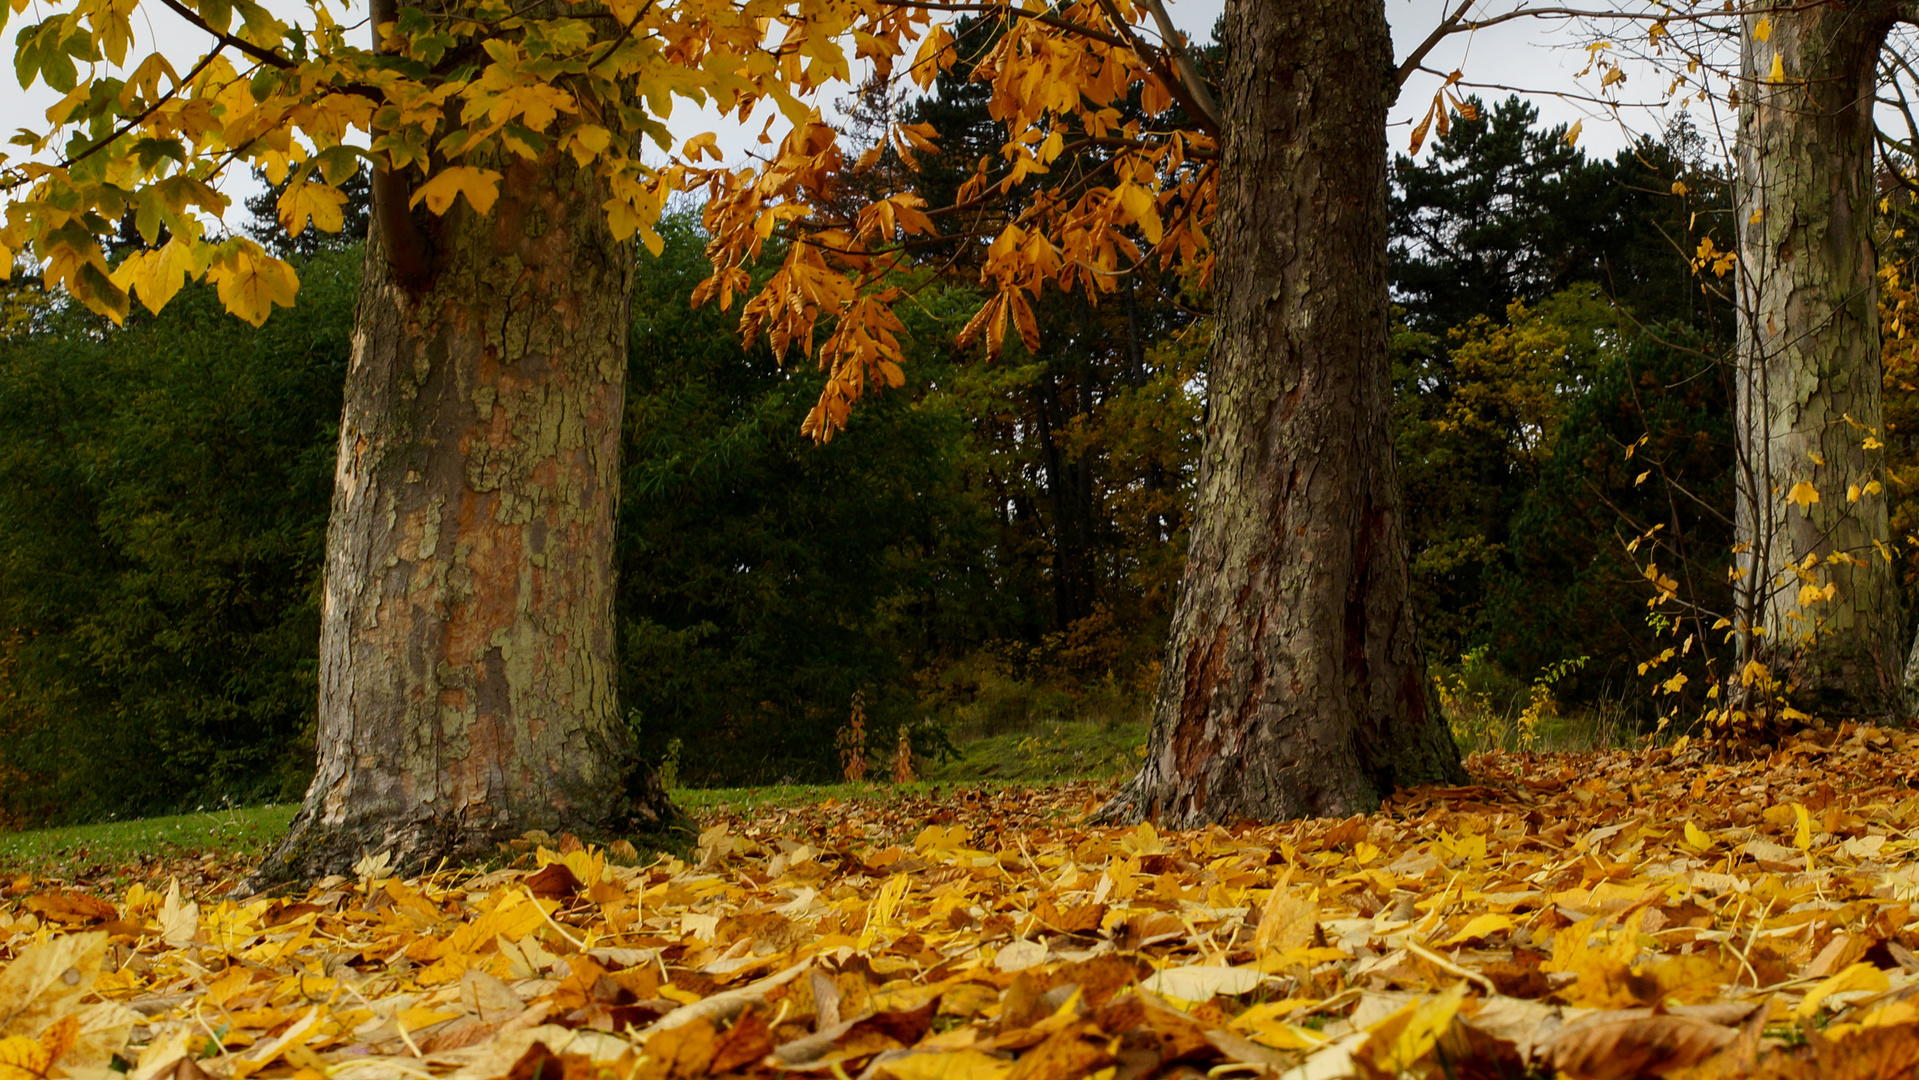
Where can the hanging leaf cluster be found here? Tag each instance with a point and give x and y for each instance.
(445, 97)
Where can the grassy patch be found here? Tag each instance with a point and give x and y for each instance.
(1039, 754)
(108, 847)
(772, 797)
(747, 800)
(1048, 753)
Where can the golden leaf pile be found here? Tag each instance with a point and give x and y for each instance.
(1598, 916)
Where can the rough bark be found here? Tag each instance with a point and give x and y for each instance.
(1292, 683)
(1809, 359)
(467, 687)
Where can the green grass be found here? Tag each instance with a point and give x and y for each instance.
(1050, 752)
(74, 850)
(1045, 754)
(1041, 754)
(781, 796)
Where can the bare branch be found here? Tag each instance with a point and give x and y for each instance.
(1176, 44)
(265, 56)
(1447, 26)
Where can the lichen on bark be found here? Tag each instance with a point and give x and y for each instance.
(1807, 391)
(467, 690)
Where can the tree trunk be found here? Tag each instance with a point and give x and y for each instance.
(1809, 364)
(467, 648)
(1292, 683)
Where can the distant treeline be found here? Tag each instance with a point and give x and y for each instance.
(990, 541)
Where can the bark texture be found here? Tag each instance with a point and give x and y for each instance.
(1809, 359)
(1292, 683)
(467, 687)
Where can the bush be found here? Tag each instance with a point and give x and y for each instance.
(163, 499)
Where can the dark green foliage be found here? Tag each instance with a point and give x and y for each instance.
(1502, 210)
(163, 494)
(1477, 416)
(1570, 587)
(763, 579)
(1664, 197)
(1504, 413)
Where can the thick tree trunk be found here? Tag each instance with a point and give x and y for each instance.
(467, 682)
(1293, 684)
(1809, 361)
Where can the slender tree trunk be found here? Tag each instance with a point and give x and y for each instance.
(1809, 360)
(1292, 683)
(467, 653)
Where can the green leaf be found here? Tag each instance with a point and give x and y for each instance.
(217, 14)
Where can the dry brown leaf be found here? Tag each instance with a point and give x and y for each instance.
(1642, 1046)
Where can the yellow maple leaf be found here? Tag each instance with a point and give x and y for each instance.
(1404, 1038)
(318, 202)
(251, 283)
(1266, 1023)
(22, 1058)
(1286, 920)
(1600, 953)
(965, 1064)
(47, 980)
(1698, 838)
(1860, 976)
(1804, 494)
(935, 52)
(1480, 926)
(163, 273)
(480, 186)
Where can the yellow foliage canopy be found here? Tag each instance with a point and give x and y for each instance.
(451, 95)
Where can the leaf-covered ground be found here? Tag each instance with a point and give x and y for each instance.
(1602, 915)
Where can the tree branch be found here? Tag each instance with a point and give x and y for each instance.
(150, 110)
(1208, 109)
(1012, 12)
(1444, 30)
(1156, 60)
(265, 56)
(625, 33)
(400, 236)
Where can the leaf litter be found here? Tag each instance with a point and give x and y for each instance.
(1620, 914)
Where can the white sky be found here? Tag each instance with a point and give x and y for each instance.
(1540, 56)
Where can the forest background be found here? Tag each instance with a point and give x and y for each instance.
(992, 548)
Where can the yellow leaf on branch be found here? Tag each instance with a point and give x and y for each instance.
(251, 283)
(321, 204)
(480, 186)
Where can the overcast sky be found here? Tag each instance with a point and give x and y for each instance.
(1541, 57)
